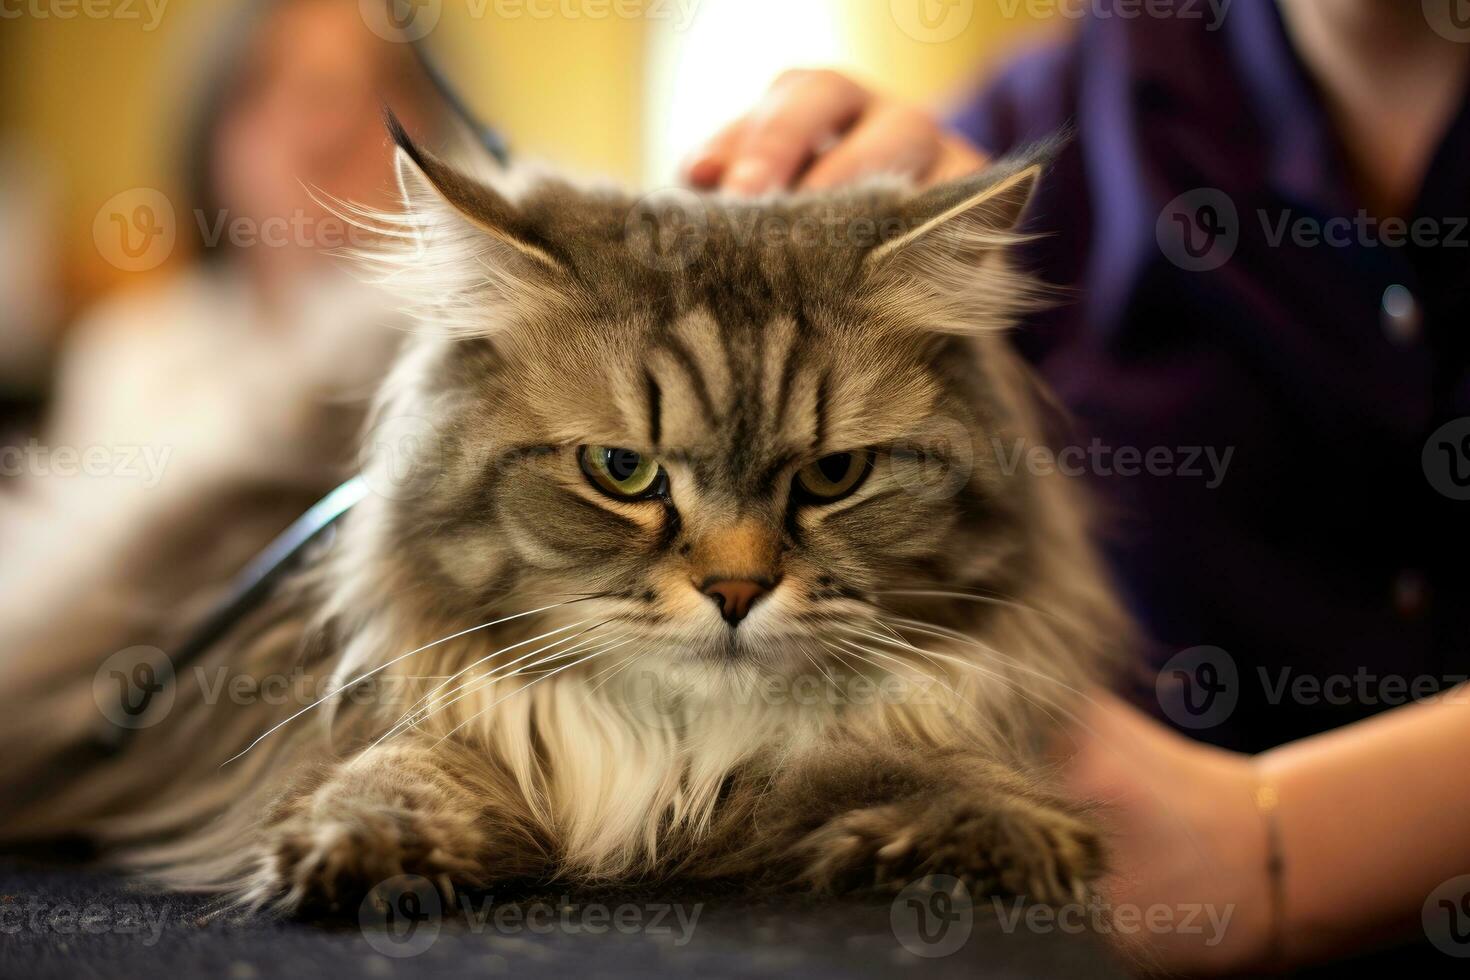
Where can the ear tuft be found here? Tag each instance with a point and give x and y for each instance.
(400, 136)
(419, 171)
(950, 264)
(466, 260)
(971, 215)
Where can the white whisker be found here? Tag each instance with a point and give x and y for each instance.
(489, 677)
(414, 708)
(521, 690)
(382, 667)
(941, 632)
(974, 597)
(1011, 682)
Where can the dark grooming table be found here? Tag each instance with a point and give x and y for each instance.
(73, 924)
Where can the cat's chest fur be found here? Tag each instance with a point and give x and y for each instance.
(624, 765)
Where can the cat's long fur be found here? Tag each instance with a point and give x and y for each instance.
(650, 738)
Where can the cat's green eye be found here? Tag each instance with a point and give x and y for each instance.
(621, 473)
(833, 477)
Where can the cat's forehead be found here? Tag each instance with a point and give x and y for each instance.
(748, 336)
(708, 388)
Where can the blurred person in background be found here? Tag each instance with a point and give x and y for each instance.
(1325, 364)
(193, 419)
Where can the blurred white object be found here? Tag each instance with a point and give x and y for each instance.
(175, 403)
(706, 70)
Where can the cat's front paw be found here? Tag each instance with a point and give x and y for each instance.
(1033, 850)
(337, 846)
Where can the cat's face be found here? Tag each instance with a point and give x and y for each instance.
(731, 450)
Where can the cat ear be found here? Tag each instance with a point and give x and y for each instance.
(949, 257)
(472, 252)
(963, 219)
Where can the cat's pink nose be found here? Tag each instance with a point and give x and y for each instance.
(735, 596)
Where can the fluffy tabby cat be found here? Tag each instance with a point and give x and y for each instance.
(703, 563)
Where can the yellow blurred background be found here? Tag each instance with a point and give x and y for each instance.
(93, 106)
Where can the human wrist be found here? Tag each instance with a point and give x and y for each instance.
(1230, 884)
(1267, 799)
(1250, 883)
(1302, 931)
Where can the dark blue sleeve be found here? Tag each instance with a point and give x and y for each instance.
(1032, 98)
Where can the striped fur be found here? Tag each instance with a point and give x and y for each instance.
(651, 738)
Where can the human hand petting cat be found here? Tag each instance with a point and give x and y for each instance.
(818, 129)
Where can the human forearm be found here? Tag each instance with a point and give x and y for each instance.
(1372, 817)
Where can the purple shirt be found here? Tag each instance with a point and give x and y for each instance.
(1230, 296)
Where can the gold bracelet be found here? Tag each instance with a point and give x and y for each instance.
(1267, 800)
